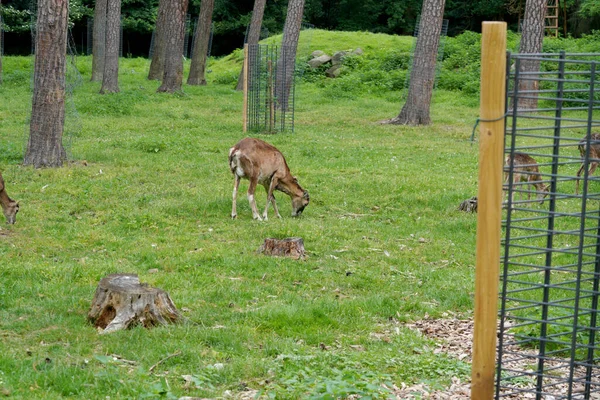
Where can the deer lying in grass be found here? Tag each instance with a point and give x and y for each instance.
(9, 206)
(594, 156)
(525, 169)
(260, 162)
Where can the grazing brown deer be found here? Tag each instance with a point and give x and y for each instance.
(260, 162)
(594, 156)
(9, 206)
(525, 169)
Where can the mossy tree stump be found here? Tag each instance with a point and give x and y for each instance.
(121, 301)
(289, 247)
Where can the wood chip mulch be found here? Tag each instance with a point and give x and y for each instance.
(454, 337)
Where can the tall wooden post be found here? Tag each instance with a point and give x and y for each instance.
(489, 207)
(245, 112)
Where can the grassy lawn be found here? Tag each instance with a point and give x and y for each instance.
(148, 191)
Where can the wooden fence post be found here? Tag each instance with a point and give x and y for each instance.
(245, 86)
(489, 208)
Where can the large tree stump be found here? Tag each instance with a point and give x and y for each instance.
(121, 301)
(289, 247)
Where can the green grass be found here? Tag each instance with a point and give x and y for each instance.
(385, 243)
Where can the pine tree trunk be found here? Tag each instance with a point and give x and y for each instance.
(287, 60)
(157, 65)
(201, 39)
(45, 148)
(110, 78)
(532, 38)
(422, 76)
(99, 38)
(253, 33)
(1, 49)
(175, 31)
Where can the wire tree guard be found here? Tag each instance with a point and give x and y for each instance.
(263, 112)
(549, 333)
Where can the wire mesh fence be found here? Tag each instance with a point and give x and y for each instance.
(548, 339)
(271, 88)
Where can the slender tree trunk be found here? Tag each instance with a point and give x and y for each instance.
(422, 76)
(253, 33)
(287, 60)
(157, 65)
(201, 39)
(45, 148)
(110, 77)
(175, 30)
(532, 38)
(99, 38)
(1, 49)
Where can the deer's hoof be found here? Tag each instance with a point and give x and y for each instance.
(233, 216)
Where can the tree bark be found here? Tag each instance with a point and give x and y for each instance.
(201, 39)
(287, 60)
(110, 77)
(253, 33)
(1, 49)
(157, 65)
(45, 148)
(422, 75)
(121, 301)
(290, 247)
(532, 38)
(99, 40)
(174, 31)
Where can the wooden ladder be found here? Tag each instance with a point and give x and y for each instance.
(551, 20)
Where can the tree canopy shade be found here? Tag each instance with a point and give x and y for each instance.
(45, 148)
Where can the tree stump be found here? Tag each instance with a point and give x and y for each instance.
(289, 247)
(121, 301)
(469, 205)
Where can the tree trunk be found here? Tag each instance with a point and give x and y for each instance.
(201, 39)
(45, 148)
(99, 38)
(110, 78)
(121, 301)
(290, 247)
(253, 33)
(1, 48)
(157, 65)
(532, 38)
(287, 60)
(422, 75)
(174, 31)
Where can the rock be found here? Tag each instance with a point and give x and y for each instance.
(358, 51)
(334, 71)
(317, 62)
(338, 57)
(317, 53)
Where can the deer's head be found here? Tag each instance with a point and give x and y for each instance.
(10, 211)
(299, 203)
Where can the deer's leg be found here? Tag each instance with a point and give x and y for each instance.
(578, 174)
(251, 200)
(271, 198)
(236, 184)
